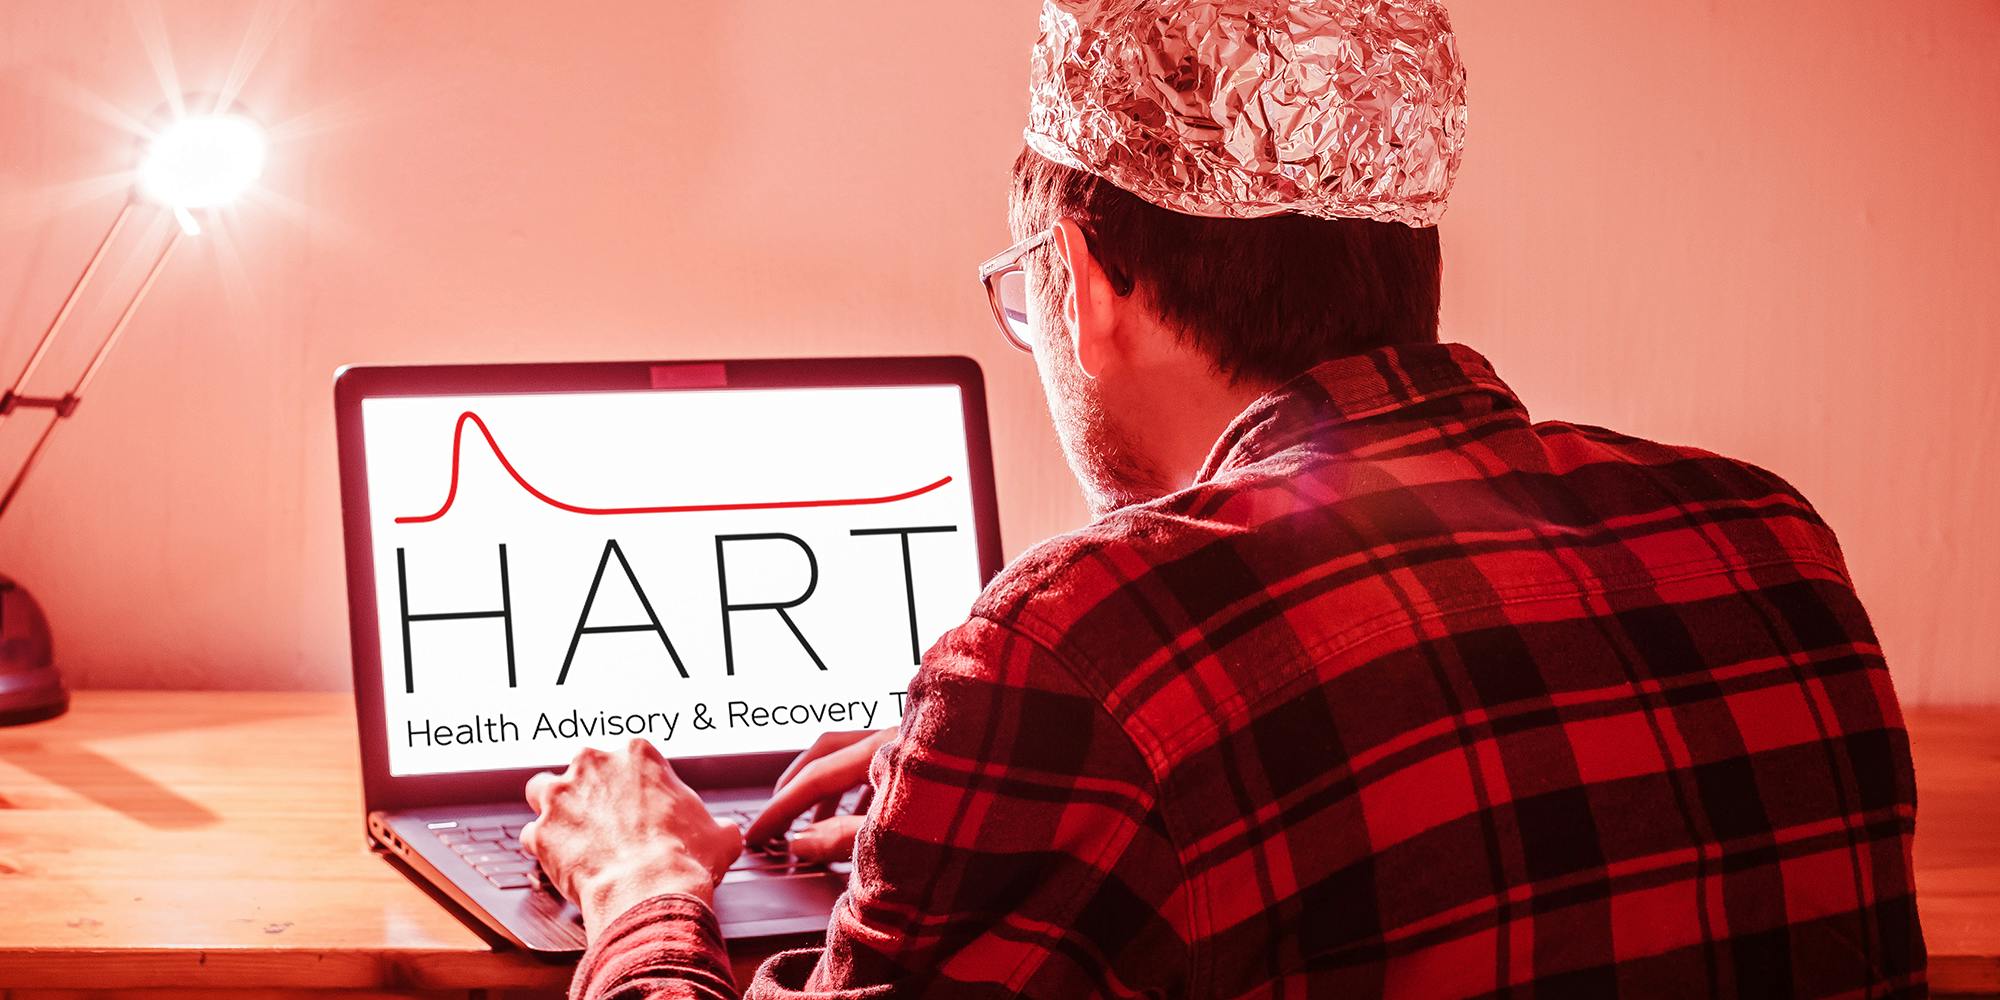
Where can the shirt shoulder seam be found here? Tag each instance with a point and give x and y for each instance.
(1155, 796)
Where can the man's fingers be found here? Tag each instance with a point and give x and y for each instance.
(826, 743)
(819, 747)
(732, 846)
(538, 791)
(827, 808)
(729, 830)
(642, 747)
(829, 776)
(777, 815)
(812, 784)
(827, 840)
(542, 787)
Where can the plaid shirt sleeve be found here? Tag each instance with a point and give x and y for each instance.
(1011, 850)
(665, 948)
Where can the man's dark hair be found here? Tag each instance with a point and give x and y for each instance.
(1266, 298)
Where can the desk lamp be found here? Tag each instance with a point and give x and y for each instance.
(194, 162)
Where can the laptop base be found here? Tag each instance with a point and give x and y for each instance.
(759, 898)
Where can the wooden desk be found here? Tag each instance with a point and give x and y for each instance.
(1958, 845)
(195, 842)
(181, 843)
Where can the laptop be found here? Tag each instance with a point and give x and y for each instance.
(727, 558)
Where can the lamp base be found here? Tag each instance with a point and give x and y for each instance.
(30, 687)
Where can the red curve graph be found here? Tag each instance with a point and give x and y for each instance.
(458, 445)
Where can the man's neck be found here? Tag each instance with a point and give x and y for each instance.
(1191, 409)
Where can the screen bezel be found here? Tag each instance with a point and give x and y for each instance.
(354, 383)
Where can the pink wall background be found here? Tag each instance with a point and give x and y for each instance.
(1731, 225)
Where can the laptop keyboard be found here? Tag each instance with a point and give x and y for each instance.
(494, 850)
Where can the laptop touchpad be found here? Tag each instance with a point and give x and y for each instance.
(748, 907)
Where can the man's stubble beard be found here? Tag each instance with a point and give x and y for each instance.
(1101, 455)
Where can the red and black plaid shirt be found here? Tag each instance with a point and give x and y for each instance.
(1406, 695)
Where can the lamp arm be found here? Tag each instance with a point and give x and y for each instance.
(41, 350)
(118, 329)
(66, 404)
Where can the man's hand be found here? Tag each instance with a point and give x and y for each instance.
(619, 828)
(834, 763)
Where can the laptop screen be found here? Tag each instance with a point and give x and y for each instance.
(721, 571)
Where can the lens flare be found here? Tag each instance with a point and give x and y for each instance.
(202, 162)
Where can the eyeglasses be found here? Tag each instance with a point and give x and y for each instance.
(1007, 288)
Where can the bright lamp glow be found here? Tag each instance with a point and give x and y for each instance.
(202, 162)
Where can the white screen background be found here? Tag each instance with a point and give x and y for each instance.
(658, 448)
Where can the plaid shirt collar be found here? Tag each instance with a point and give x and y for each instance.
(1353, 388)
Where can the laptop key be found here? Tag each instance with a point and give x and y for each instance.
(512, 830)
(502, 867)
(488, 833)
(511, 880)
(454, 837)
(489, 857)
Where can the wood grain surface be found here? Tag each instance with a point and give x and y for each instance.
(186, 842)
(1958, 845)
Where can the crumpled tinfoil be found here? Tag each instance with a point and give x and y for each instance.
(1245, 108)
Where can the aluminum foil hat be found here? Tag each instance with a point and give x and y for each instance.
(1335, 109)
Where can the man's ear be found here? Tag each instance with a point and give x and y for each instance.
(1090, 308)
